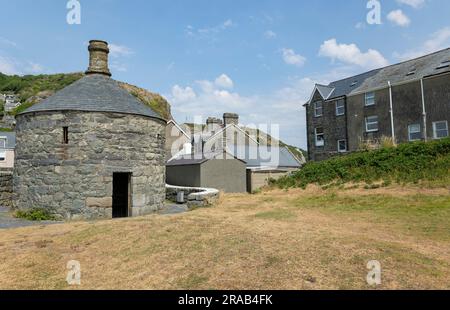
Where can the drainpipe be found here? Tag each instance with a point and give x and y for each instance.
(391, 111)
(424, 114)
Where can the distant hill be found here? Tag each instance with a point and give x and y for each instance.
(32, 89)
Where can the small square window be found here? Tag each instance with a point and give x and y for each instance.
(340, 107)
(2, 143)
(320, 137)
(342, 146)
(371, 123)
(440, 129)
(414, 132)
(369, 99)
(318, 109)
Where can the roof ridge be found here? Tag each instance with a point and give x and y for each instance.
(392, 65)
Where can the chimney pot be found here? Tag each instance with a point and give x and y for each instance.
(98, 58)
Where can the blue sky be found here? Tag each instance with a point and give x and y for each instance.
(258, 58)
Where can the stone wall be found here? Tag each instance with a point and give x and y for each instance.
(6, 188)
(194, 196)
(75, 180)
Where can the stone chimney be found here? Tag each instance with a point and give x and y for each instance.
(230, 118)
(98, 58)
(213, 124)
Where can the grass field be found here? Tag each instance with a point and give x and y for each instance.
(294, 239)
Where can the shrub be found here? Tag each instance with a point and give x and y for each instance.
(406, 163)
(35, 215)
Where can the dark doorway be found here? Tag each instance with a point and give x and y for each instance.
(121, 194)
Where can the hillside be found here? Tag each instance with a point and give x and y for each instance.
(32, 89)
(406, 163)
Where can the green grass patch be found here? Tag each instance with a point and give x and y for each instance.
(405, 164)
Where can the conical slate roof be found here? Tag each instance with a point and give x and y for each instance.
(94, 93)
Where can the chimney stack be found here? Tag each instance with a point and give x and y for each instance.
(230, 118)
(213, 124)
(98, 58)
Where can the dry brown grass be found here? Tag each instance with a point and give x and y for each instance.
(275, 240)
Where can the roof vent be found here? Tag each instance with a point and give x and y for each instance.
(444, 64)
(412, 71)
(353, 84)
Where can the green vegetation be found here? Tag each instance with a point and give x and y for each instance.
(35, 215)
(29, 86)
(406, 163)
(6, 130)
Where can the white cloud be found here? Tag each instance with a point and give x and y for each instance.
(437, 41)
(413, 3)
(8, 66)
(209, 33)
(180, 94)
(352, 55)
(269, 34)
(7, 42)
(291, 58)
(399, 18)
(35, 68)
(119, 50)
(224, 81)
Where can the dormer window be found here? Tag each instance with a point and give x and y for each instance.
(412, 71)
(444, 64)
(369, 99)
(318, 109)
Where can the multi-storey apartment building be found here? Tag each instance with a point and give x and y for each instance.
(408, 101)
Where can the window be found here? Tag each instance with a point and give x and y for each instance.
(414, 132)
(318, 109)
(2, 143)
(371, 123)
(369, 99)
(412, 71)
(342, 146)
(443, 65)
(340, 107)
(65, 135)
(440, 129)
(320, 137)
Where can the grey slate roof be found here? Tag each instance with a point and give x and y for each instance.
(424, 66)
(94, 93)
(10, 139)
(262, 156)
(198, 159)
(325, 91)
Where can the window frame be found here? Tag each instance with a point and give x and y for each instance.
(65, 140)
(5, 141)
(316, 108)
(342, 107)
(366, 97)
(316, 135)
(415, 132)
(339, 146)
(435, 131)
(367, 124)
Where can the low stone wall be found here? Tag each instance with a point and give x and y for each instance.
(6, 188)
(194, 196)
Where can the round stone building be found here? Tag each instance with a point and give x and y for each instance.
(90, 151)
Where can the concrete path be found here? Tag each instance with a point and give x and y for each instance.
(8, 221)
